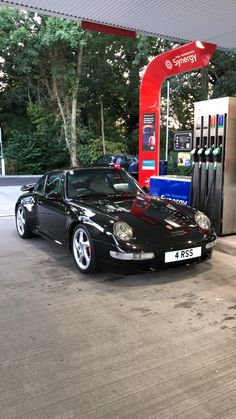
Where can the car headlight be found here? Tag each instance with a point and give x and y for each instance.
(123, 231)
(202, 220)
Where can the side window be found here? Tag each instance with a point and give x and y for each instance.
(53, 184)
(39, 187)
(107, 160)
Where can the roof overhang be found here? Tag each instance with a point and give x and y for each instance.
(207, 20)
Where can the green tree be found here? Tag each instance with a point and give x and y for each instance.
(223, 74)
(80, 90)
(42, 59)
(113, 80)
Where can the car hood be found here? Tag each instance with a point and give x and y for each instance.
(141, 211)
(153, 220)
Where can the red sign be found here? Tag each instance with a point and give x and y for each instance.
(113, 30)
(179, 60)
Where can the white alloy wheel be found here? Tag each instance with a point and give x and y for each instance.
(22, 224)
(83, 250)
(20, 220)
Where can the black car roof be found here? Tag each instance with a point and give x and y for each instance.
(105, 168)
(66, 170)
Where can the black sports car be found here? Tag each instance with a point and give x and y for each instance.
(102, 215)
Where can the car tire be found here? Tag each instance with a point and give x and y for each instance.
(83, 250)
(22, 223)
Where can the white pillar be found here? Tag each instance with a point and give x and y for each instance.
(3, 167)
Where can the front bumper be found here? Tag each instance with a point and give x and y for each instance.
(152, 251)
(139, 256)
(127, 262)
(132, 256)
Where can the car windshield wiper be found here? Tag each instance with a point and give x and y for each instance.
(93, 194)
(126, 194)
(90, 194)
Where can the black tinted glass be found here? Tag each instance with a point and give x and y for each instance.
(99, 181)
(53, 184)
(39, 187)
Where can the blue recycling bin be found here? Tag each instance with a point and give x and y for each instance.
(176, 188)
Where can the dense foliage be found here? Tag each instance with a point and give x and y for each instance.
(67, 95)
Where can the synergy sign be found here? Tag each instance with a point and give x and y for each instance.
(179, 60)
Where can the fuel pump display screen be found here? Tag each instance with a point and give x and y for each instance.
(183, 141)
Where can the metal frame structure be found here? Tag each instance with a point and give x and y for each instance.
(181, 21)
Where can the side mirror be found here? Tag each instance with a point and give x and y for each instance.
(56, 196)
(28, 188)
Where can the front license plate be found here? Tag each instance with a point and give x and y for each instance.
(184, 254)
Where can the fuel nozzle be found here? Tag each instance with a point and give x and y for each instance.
(210, 152)
(194, 155)
(201, 154)
(209, 155)
(217, 155)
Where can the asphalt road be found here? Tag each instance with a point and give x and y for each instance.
(154, 345)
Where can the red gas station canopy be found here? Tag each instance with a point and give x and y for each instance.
(207, 20)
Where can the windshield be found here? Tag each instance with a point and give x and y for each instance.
(97, 182)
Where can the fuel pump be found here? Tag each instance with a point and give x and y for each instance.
(195, 175)
(202, 178)
(215, 127)
(209, 181)
(218, 187)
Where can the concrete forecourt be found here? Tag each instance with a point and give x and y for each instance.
(151, 345)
